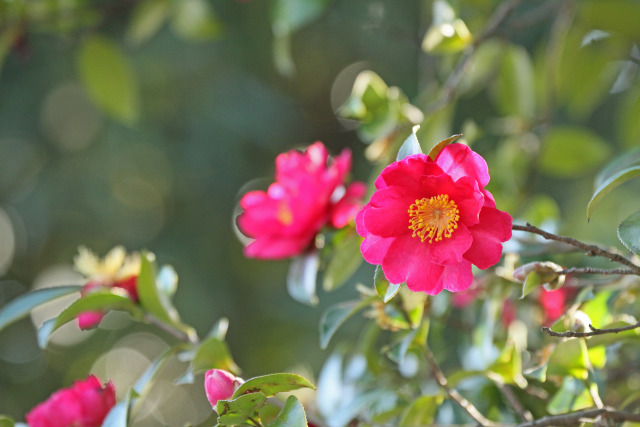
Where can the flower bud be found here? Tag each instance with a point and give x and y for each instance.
(219, 385)
(546, 269)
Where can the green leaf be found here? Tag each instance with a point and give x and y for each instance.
(385, 290)
(291, 415)
(271, 384)
(418, 336)
(440, 145)
(288, 16)
(609, 184)
(514, 87)
(572, 396)
(447, 38)
(532, 281)
(345, 260)
(422, 411)
(103, 300)
(213, 353)
(21, 306)
(410, 146)
(629, 232)
(108, 78)
(333, 317)
(623, 161)
(301, 279)
(612, 15)
(507, 368)
(571, 151)
(6, 421)
(569, 358)
(119, 414)
(239, 410)
(611, 339)
(146, 20)
(598, 309)
(195, 20)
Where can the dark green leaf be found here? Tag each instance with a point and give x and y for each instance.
(422, 411)
(291, 415)
(345, 260)
(623, 161)
(336, 315)
(301, 280)
(21, 306)
(629, 233)
(108, 78)
(239, 410)
(609, 184)
(271, 384)
(572, 396)
(571, 151)
(410, 146)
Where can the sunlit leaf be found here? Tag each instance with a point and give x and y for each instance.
(21, 306)
(146, 20)
(344, 262)
(608, 185)
(629, 232)
(507, 368)
(410, 146)
(301, 279)
(598, 356)
(440, 145)
(385, 290)
(571, 151)
(572, 396)
(271, 384)
(612, 339)
(447, 38)
(195, 20)
(291, 415)
(240, 409)
(6, 421)
(569, 358)
(421, 412)
(624, 161)
(108, 78)
(532, 281)
(336, 315)
(213, 353)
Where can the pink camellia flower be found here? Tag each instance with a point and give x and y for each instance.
(429, 220)
(308, 194)
(219, 385)
(554, 303)
(85, 404)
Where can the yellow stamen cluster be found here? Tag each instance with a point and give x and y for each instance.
(433, 218)
(284, 215)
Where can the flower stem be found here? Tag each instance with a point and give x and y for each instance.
(592, 250)
(594, 331)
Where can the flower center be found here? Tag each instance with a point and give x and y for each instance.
(433, 218)
(284, 215)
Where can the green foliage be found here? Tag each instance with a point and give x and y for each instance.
(6, 421)
(629, 232)
(108, 78)
(239, 410)
(301, 280)
(271, 384)
(422, 411)
(569, 151)
(609, 184)
(345, 260)
(291, 415)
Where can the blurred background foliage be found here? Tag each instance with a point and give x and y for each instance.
(140, 122)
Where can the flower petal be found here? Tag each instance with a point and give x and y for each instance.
(493, 229)
(458, 160)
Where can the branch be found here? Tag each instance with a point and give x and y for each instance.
(592, 250)
(591, 270)
(594, 331)
(453, 81)
(176, 333)
(467, 406)
(575, 418)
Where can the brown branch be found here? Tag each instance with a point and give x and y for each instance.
(592, 250)
(453, 81)
(467, 406)
(594, 331)
(591, 270)
(575, 418)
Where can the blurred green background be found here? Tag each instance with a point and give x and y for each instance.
(139, 123)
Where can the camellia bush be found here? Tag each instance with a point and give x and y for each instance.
(476, 308)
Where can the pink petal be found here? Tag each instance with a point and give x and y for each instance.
(458, 160)
(408, 171)
(374, 248)
(493, 229)
(219, 385)
(89, 319)
(348, 206)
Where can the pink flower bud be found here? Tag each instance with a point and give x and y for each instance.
(85, 404)
(219, 385)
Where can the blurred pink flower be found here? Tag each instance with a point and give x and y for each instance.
(308, 193)
(428, 221)
(91, 319)
(85, 404)
(219, 385)
(554, 303)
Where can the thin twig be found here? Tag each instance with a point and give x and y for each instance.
(512, 399)
(591, 270)
(592, 250)
(575, 418)
(176, 333)
(455, 77)
(594, 331)
(467, 406)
